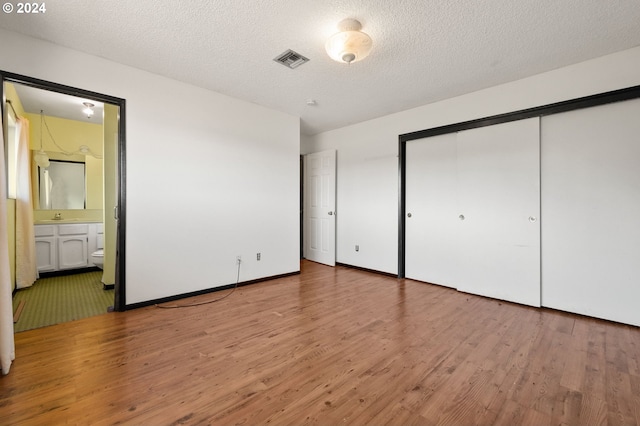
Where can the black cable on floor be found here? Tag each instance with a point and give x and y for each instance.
(206, 302)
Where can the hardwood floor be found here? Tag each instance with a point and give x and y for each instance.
(329, 346)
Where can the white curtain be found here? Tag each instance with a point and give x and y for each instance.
(26, 269)
(7, 346)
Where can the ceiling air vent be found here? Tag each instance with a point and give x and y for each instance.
(291, 59)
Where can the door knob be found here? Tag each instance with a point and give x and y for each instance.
(532, 219)
(461, 217)
(408, 214)
(330, 213)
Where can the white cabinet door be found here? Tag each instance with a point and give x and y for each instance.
(591, 206)
(72, 252)
(499, 211)
(46, 259)
(431, 208)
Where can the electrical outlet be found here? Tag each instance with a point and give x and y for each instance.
(258, 256)
(357, 247)
(238, 259)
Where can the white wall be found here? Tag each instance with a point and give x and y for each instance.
(367, 194)
(209, 177)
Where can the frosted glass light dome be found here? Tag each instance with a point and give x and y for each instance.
(350, 44)
(42, 159)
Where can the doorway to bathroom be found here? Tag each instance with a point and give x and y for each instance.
(72, 237)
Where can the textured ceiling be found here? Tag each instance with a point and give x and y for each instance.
(57, 105)
(424, 50)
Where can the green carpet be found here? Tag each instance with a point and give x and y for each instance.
(54, 300)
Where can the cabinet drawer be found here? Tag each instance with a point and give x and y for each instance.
(45, 230)
(73, 229)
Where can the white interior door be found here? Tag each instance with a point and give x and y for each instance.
(499, 210)
(320, 207)
(431, 206)
(591, 206)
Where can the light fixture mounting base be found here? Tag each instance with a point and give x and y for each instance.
(349, 24)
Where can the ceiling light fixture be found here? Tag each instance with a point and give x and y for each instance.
(350, 44)
(88, 110)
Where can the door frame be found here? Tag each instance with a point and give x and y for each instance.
(540, 111)
(9, 77)
(301, 207)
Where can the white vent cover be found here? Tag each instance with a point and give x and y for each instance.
(291, 59)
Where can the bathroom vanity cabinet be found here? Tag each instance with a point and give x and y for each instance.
(66, 246)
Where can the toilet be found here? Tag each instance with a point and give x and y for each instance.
(97, 257)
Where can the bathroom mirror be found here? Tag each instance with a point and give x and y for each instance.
(62, 185)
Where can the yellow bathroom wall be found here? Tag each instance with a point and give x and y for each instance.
(70, 135)
(11, 95)
(94, 182)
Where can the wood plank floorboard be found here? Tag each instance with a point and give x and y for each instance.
(329, 346)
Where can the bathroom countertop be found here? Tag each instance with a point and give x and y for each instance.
(54, 221)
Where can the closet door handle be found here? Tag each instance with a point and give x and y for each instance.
(461, 217)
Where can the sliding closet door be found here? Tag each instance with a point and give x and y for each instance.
(431, 222)
(591, 207)
(498, 211)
